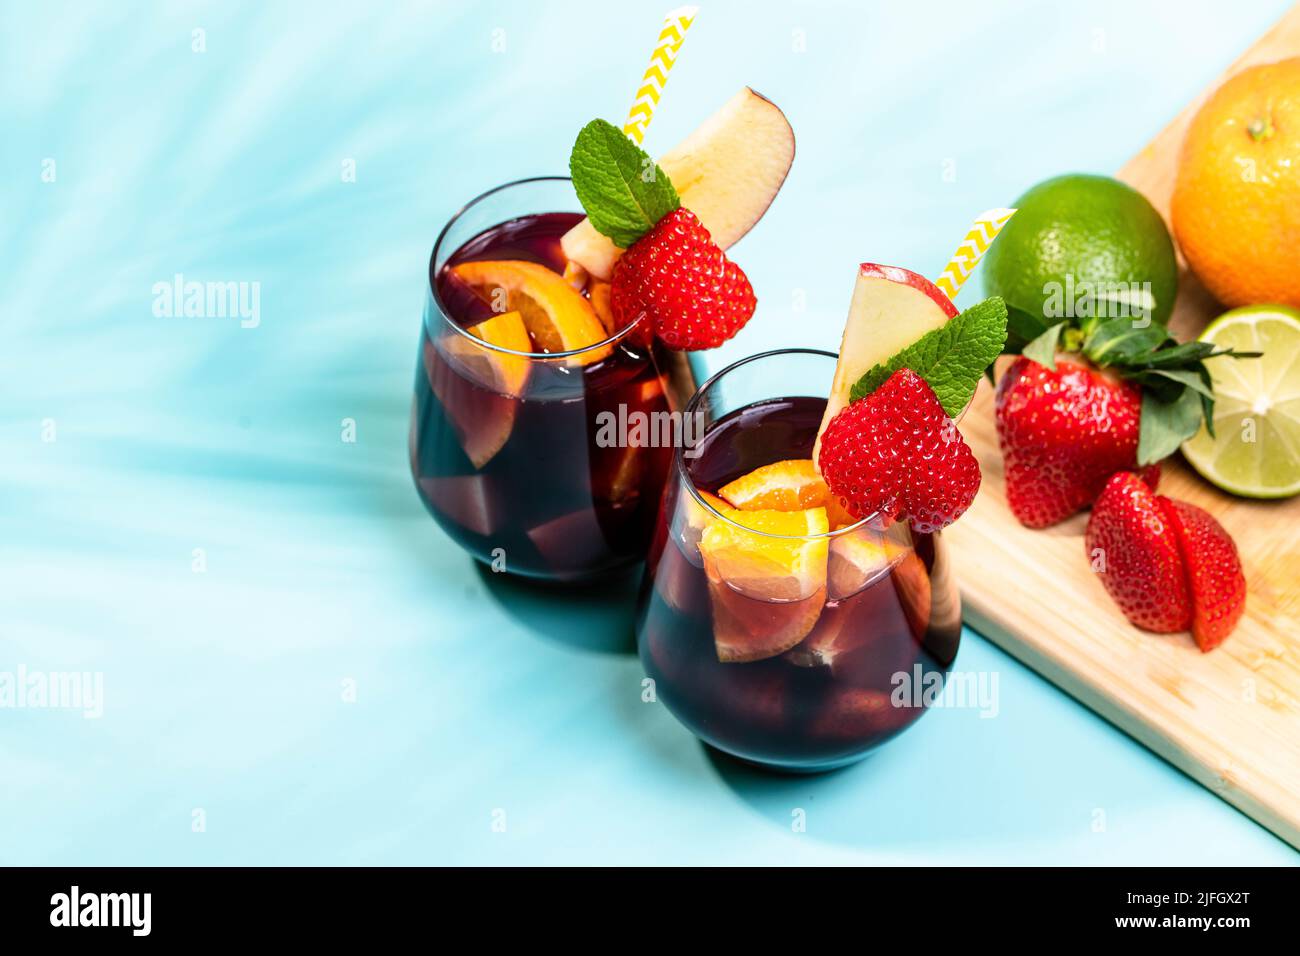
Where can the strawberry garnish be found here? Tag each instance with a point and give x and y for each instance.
(1063, 433)
(691, 294)
(896, 452)
(1168, 565)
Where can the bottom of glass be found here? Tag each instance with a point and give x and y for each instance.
(791, 769)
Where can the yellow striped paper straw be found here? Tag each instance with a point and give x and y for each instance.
(671, 37)
(981, 235)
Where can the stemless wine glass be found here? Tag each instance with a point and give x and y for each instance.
(799, 652)
(516, 453)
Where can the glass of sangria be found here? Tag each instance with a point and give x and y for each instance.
(778, 627)
(519, 370)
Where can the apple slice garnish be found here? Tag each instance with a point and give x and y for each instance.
(891, 308)
(727, 172)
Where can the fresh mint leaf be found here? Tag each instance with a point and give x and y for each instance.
(950, 358)
(1043, 349)
(623, 190)
(1167, 424)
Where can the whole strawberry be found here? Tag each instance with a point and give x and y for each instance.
(1125, 395)
(1063, 433)
(693, 295)
(897, 452)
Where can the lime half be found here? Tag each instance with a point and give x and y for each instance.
(1255, 450)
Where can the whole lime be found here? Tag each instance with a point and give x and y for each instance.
(1081, 248)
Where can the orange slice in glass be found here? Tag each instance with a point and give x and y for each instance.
(507, 373)
(787, 486)
(599, 294)
(782, 486)
(767, 592)
(482, 426)
(557, 317)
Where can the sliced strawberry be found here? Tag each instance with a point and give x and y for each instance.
(691, 294)
(1131, 546)
(1213, 570)
(897, 452)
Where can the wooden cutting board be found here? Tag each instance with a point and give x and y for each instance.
(1230, 718)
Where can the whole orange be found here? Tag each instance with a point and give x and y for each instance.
(1236, 205)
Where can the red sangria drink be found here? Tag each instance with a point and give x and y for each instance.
(507, 446)
(799, 608)
(552, 375)
(777, 634)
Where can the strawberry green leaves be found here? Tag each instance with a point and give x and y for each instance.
(950, 358)
(623, 191)
(1165, 425)
(1043, 348)
(1116, 341)
(1177, 393)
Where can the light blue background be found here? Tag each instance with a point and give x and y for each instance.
(223, 689)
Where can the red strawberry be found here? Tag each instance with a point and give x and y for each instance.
(1063, 433)
(1213, 572)
(897, 452)
(694, 296)
(1132, 546)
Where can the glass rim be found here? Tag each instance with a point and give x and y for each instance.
(679, 459)
(444, 313)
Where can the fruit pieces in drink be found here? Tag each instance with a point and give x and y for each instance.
(786, 486)
(482, 435)
(768, 594)
(783, 485)
(847, 638)
(859, 557)
(504, 451)
(809, 713)
(851, 714)
(558, 318)
(766, 588)
(471, 501)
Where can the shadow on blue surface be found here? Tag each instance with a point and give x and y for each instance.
(597, 617)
